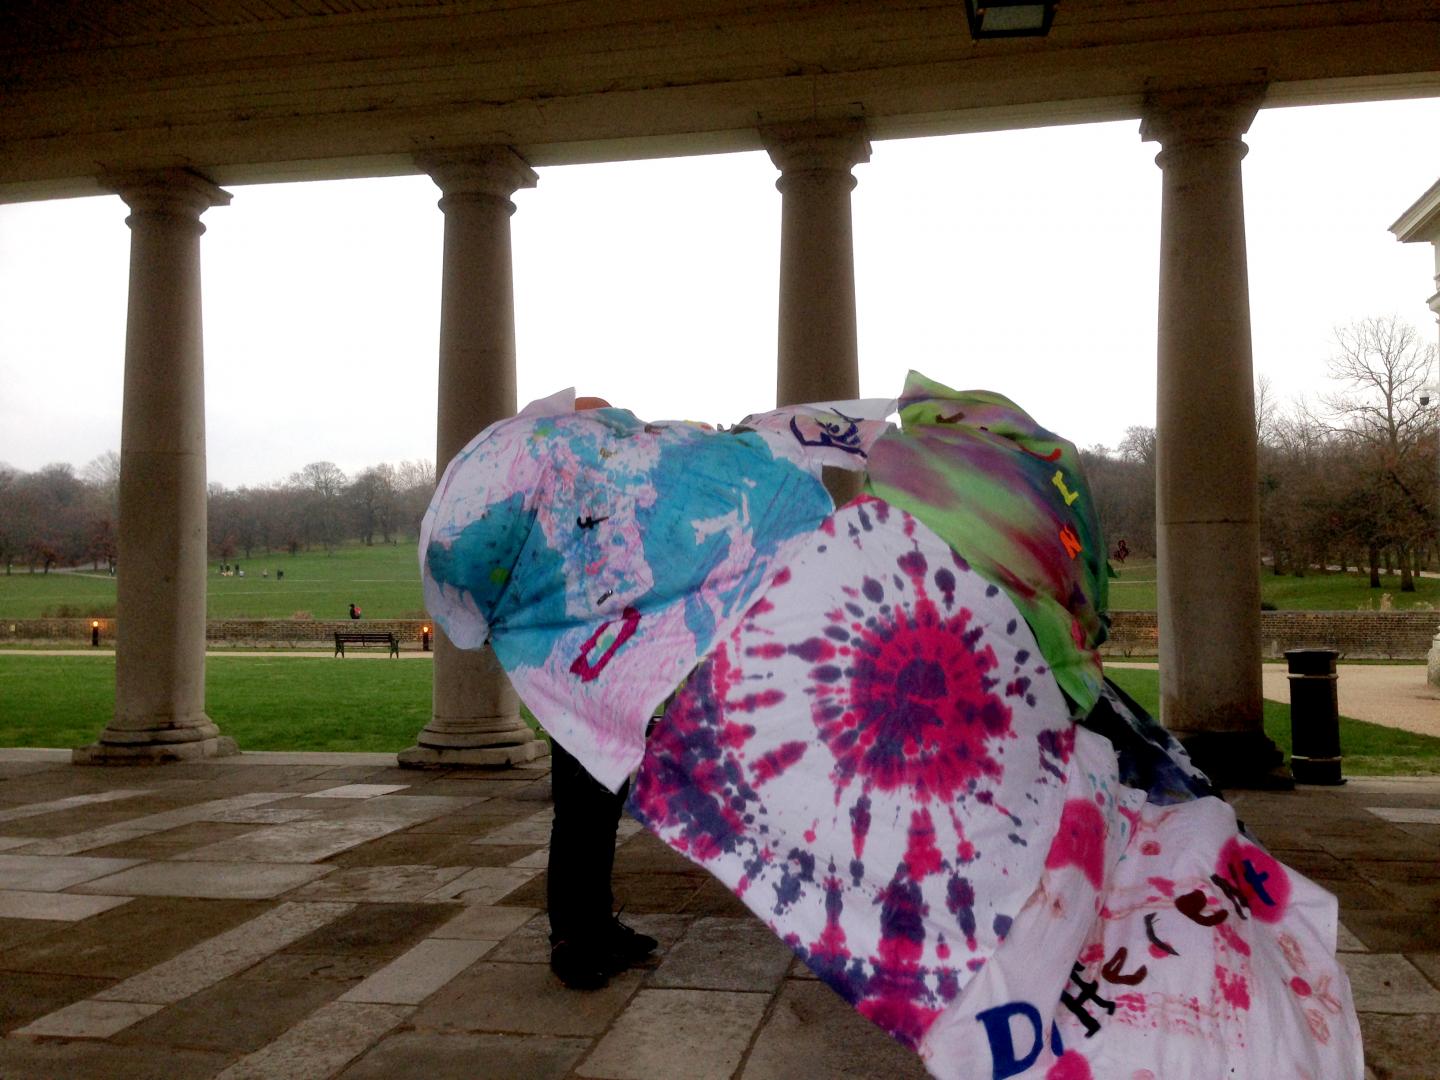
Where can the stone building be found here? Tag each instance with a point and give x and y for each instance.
(166, 103)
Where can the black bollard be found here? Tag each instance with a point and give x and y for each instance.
(94, 633)
(425, 639)
(1314, 716)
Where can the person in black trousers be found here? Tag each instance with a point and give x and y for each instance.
(588, 943)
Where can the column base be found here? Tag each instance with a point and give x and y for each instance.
(156, 753)
(1432, 665)
(482, 757)
(1238, 759)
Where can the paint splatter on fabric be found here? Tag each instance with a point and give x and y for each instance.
(1010, 497)
(1199, 955)
(602, 556)
(873, 760)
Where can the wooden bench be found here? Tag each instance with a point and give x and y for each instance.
(366, 638)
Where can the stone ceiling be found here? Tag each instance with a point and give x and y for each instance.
(251, 90)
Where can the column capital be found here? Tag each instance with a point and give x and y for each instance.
(168, 192)
(1200, 115)
(495, 172)
(810, 146)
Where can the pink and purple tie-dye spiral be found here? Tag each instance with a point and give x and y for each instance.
(874, 760)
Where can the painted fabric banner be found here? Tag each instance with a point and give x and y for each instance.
(1185, 950)
(1009, 496)
(602, 556)
(873, 761)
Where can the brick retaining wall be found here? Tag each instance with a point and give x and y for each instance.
(1365, 635)
(270, 633)
(1396, 635)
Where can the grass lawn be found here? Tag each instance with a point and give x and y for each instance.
(1134, 590)
(384, 580)
(284, 703)
(1368, 749)
(319, 703)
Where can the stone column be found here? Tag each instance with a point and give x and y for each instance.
(160, 634)
(1207, 516)
(475, 718)
(818, 357)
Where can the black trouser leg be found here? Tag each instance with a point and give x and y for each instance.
(582, 850)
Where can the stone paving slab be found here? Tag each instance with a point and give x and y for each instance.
(414, 975)
(811, 1032)
(236, 1016)
(484, 884)
(212, 880)
(482, 922)
(383, 884)
(125, 940)
(69, 802)
(24, 1059)
(89, 1019)
(697, 1034)
(1419, 815)
(294, 842)
(357, 791)
(55, 907)
(523, 998)
(225, 954)
(381, 931)
(1389, 983)
(35, 873)
(725, 954)
(469, 1057)
(321, 1044)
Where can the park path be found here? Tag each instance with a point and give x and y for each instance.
(1391, 695)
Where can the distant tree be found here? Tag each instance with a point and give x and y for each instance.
(322, 485)
(1123, 488)
(102, 474)
(414, 487)
(1138, 445)
(373, 501)
(1382, 366)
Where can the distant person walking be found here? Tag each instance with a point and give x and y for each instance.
(354, 612)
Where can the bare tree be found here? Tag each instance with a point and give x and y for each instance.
(1266, 408)
(323, 485)
(1383, 365)
(1138, 445)
(103, 475)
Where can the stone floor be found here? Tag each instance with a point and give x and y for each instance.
(324, 915)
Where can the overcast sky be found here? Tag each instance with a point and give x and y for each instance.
(1023, 262)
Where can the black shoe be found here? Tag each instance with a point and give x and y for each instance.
(628, 945)
(579, 967)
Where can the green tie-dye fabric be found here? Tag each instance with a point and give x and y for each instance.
(1009, 496)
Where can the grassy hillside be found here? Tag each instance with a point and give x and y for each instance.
(1134, 590)
(385, 581)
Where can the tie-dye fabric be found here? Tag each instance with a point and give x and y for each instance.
(1183, 952)
(602, 557)
(1009, 496)
(837, 435)
(873, 761)
(1148, 757)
